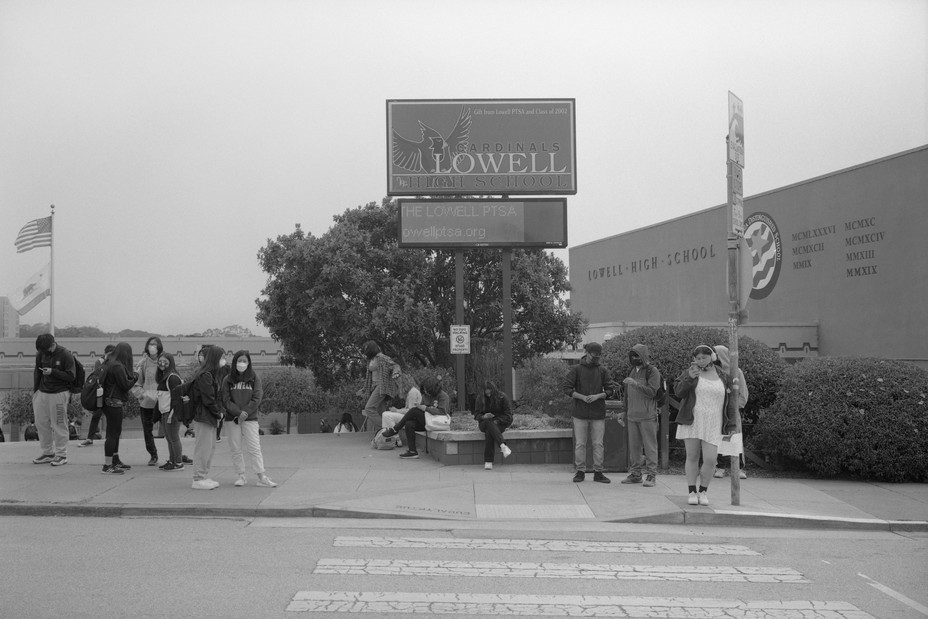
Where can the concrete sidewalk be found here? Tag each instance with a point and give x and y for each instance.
(328, 475)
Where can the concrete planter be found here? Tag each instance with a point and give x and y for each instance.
(528, 447)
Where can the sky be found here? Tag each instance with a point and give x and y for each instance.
(176, 137)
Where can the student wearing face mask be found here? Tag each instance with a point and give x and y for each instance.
(641, 385)
(707, 412)
(146, 391)
(241, 396)
(169, 379)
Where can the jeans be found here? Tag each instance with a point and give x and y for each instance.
(493, 437)
(147, 415)
(596, 429)
(642, 435)
(113, 430)
(51, 420)
(413, 421)
(203, 447)
(172, 436)
(247, 432)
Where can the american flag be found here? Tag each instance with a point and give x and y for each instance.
(36, 233)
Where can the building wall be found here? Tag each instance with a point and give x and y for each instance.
(851, 258)
(9, 319)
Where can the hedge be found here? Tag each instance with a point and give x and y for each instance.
(862, 417)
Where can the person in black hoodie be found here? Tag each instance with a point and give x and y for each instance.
(205, 396)
(118, 380)
(587, 383)
(52, 377)
(493, 415)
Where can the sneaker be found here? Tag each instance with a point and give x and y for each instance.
(720, 473)
(86, 443)
(120, 464)
(598, 476)
(186, 460)
(44, 459)
(60, 461)
(240, 481)
(649, 481)
(487, 466)
(632, 479)
(176, 466)
(112, 470)
(153, 461)
(266, 482)
(166, 466)
(579, 476)
(388, 433)
(742, 475)
(504, 448)
(703, 498)
(410, 455)
(693, 500)
(204, 484)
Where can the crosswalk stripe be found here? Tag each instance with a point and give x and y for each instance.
(493, 569)
(555, 545)
(565, 605)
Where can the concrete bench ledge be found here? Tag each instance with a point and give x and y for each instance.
(510, 435)
(528, 447)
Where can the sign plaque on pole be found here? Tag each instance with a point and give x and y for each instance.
(460, 339)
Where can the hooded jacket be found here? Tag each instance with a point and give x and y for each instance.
(587, 378)
(61, 361)
(639, 396)
(725, 363)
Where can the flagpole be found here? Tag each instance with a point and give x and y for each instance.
(51, 279)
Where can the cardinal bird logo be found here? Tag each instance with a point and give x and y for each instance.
(434, 153)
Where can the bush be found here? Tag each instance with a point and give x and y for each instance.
(671, 347)
(858, 416)
(290, 390)
(540, 381)
(17, 407)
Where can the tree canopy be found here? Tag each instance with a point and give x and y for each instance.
(326, 295)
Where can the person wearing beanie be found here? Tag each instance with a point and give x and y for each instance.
(93, 431)
(724, 362)
(706, 413)
(586, 383)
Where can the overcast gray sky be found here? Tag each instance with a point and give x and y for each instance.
(176, 137)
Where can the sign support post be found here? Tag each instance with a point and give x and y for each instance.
(459, 319)
(735, 144)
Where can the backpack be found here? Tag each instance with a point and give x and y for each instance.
(660, 396)
(78, 385)
(89, 389)
(184, 409)
(380, 442)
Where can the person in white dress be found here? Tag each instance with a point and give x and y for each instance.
(707, 413)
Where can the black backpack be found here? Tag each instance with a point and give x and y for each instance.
(184, 409)
(660, 396)
(78, 385)
(89, 389)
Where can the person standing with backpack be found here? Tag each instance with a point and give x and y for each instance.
(641, 386)
(168, 379)
(94, 429)
(147, 393)
(205, 395)
(241, 395)
(53, 377)
(118, 379)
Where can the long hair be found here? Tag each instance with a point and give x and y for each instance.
(348, 422)
(496, 396)
(157, 341)
(211, 357)
(248, 375)
(122, 356)
(370, 348)
(171, 369)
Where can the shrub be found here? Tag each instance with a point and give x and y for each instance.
(17, 407)
(540, 381)
(859, 416)
(290, 390)
(671, 347)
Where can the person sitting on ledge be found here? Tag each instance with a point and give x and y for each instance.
(435, 401)
(493, 415)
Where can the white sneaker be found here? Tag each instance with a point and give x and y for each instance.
(742, 475)
(693, 500)
(703, 498)
(720, 473)
(505, 449)
(487, 466)
(240, 481)
(266, 482)
(204, 484)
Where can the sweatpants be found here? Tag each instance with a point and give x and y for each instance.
(51, 420)
(203, 448)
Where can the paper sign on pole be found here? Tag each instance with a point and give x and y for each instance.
(460, 339)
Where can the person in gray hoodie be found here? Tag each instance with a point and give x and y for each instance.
(587, 383)
(724, 362)
(641, 386)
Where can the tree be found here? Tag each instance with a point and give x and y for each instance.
(290, 390)
(326, 295)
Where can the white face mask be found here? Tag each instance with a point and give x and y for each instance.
(152, 350)
(242, 366)
(222, 362)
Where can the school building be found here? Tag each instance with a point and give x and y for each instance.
(839, 267)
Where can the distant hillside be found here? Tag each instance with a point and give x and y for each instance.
(74, 331)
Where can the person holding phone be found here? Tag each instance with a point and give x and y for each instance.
(707, 413)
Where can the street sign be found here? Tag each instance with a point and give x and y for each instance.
(460, 339)
(735, 129)
(737, 201)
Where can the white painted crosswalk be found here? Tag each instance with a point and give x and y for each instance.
(551, 604)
